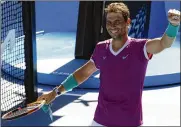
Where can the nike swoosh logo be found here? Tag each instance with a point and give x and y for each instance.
(124, 57)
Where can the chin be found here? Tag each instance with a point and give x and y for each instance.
(117, 37)
(113, 36)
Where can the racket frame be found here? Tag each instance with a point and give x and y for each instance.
(30, 111)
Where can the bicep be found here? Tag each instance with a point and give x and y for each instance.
(154, 46)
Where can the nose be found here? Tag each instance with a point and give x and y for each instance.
(113, 25)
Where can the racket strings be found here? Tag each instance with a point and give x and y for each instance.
(23, 110)
(17, 113)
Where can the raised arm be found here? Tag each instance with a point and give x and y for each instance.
(157, 45)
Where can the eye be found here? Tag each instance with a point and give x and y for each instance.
(118, 22)
(108, 22)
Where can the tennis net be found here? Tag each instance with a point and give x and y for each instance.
(13, 56)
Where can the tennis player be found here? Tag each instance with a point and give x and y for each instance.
(122, 62)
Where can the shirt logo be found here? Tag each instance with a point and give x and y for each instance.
(104, 57)
(124, 57)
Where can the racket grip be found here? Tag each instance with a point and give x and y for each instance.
(45, 108)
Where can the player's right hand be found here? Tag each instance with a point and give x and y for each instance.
(48, 97)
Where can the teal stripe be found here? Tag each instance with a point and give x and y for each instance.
(171, 30)
(70, 83)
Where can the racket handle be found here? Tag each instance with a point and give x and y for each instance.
(45, 108)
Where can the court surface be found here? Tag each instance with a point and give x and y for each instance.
(161, 107)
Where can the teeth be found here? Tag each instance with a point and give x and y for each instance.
(114, 31)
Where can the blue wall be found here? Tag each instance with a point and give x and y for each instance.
(158, 19)
(57, 16)
(61, 16)
(172, 5)
(158, 16)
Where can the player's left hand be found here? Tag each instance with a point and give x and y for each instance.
(174, 17)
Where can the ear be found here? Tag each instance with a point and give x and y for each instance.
(129, 21)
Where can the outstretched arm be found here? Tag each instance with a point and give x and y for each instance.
(72, 81)
(157, 45)
(79, 76)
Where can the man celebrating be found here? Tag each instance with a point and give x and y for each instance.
(122, 62)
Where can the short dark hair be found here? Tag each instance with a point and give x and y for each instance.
(118, 7)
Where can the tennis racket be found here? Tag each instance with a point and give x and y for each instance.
(23, 111)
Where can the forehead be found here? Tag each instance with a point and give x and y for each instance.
(114, 16)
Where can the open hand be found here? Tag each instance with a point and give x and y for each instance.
(174, 17)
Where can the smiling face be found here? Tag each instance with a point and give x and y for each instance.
(117, 20)
(116, 25)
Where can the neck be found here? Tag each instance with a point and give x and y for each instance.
(117, 43)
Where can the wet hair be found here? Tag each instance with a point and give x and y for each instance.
(118, 7)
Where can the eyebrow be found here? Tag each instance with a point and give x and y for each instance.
(118, 17)
(115, 20)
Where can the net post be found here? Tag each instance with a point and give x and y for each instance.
(0, 36)
(1, 43)
(28, 11)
